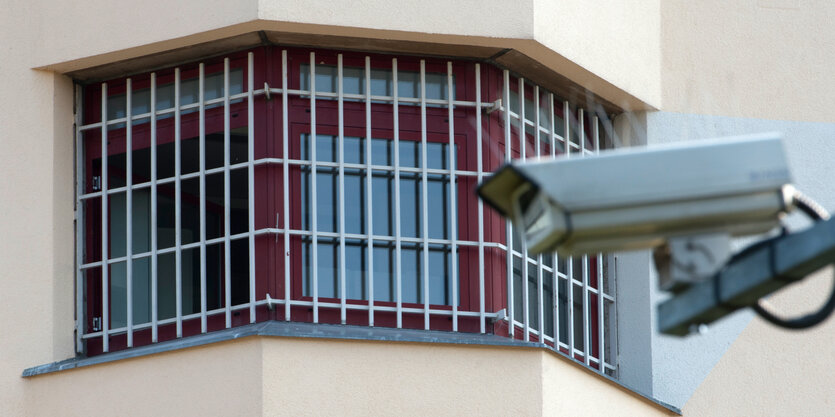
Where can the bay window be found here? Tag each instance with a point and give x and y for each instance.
(326, 187)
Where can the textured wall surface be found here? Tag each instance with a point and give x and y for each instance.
(679, 365)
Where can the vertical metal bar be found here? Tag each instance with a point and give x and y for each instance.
(251, 178)
(154, 257)
(369, 210)
(581, 137)
(601, 351)
(539, 290)
(453, 212)
(314, 248)
(80, 230)
(129, 210)
(425, 195)
(566, 115)
(105, 291)
(555, 262)
(227, 199)
(285, 153)
(480, 171)
(178, 205)
(523, 140)
(397, 243)
(201, 82)
(341, 159)
(508, 225)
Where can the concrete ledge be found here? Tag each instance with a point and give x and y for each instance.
(319, 331)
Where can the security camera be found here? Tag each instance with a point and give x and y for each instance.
(689, 199)
(686, 201)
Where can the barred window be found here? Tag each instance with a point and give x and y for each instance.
(326, 187)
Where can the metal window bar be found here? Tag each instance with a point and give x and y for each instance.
(424, 195)
(202, 154)
(80, 318)
(601, 351)
(178, 206)
(570, 261)
(227, 199)
(369, 212)
(453, 211)
(285, 134)
(539, 263)
(480, 205)
(341, 193)
(154, 215)
(250, 110)
(555, 260)
(524, 272)
(508, 225)
(314, 227)
(397, 237)
(129, 214)
(105, 293)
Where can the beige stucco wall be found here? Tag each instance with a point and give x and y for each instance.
(613, 49)
(769, 59)
(296, 377)
(773, 372)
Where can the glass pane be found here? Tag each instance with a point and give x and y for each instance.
(215, 220)
(189, 155)
(439, 275)
(327, 200)
(141, 220)
(116, 158)
(381, 152)
(436, 155)
(166, 286)
(563, 310)
(215, 276)
(239, 199)
(118, 225)
(384, 274)
(327, 266)
(214, 150)
(239, 145)
(410, 206)
(353, 80)
(408, 84)
(239, 258)
(118, 295)
(354, 201)
(355, 267)
(190, 210)
(190, 275)
(411, 274)
(213, 84)
(141, 290)
(578, 317)
(326, 148)
(438, 207)
(165, 216)
(354, 150)
(383, 197)
(410, 154)
(548, 302)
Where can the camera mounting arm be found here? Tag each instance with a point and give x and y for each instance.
(751, 274)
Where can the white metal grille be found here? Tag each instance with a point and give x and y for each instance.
(547, 307)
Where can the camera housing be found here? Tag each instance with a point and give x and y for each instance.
(639, 198)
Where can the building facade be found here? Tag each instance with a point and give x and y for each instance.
(267, 208)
